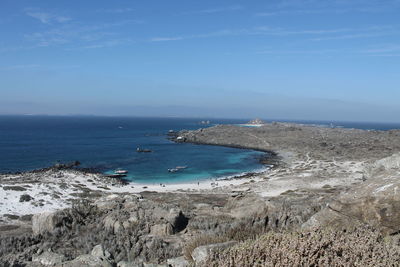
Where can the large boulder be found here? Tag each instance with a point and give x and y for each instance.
(112, 223)
(375, 202)
(47, 222)
(162, 229)
(99, 252)
(246, 206)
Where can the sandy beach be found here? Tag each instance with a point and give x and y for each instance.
(54, 190)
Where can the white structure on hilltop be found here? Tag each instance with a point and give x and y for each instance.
(256, 122)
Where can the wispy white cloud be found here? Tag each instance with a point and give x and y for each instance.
(116, 10)
(388, 50)
(350, 36)
(21, 67)
(36, 67)
(78, 35)
(301, 12)
(196, 36)
(369, 32)
(369, 4)
(383, 49)
(108, 43)
(165, 39)
(46, 17)
(301, 35)
(219, 9)
(305, 7)
(385, 55)
(266, 30)
(299, 52)
(260, 30)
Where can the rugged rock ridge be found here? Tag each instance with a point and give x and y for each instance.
(375, 202)
(150, 227)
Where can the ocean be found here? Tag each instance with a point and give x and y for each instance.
(109, 143)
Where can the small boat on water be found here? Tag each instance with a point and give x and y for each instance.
(177, 168)
(140, 150)
(181, 167)
(119, 171)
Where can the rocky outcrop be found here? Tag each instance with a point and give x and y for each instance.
(133, 229)
(98, 257)
(46, 222)
(87, 260)
(384, 167)
(25, 198)
(375, 202)
(162, 229)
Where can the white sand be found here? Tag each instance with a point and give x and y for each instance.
(54, 191)
(57, 190)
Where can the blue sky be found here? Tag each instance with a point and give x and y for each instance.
(289, 59)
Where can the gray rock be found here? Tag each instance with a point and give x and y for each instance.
(98, 257)
(162, 229)
(154, 265)
(99, 252)
(25, 198)
(111, 223)
(129, 264)
(375, 202)
(88, 260)
(200, 254)
(132, 264)
(108, 202)
(45, 222)
(178, 262)
(48, 258)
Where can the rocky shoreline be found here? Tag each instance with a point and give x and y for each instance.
(322, 178)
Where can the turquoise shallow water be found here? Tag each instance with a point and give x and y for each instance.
(32, 142)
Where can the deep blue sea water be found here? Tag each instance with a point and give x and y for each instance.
(108, 143)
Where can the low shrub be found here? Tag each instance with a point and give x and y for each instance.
(363, 247)
(240, 231)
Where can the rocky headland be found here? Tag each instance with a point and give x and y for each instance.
(330, 198)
